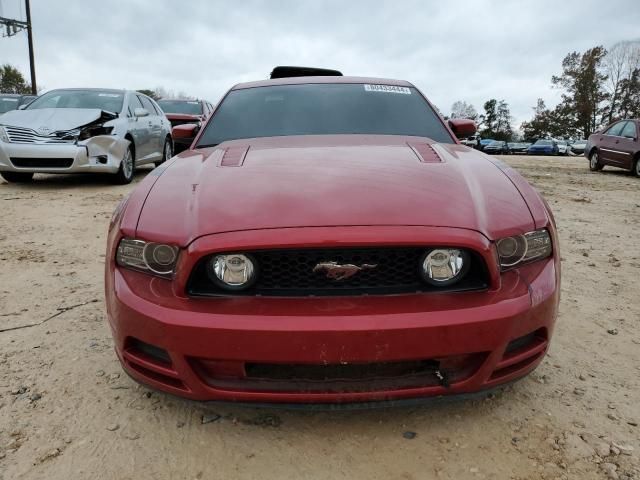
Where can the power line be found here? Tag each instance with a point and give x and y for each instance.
(12, 27)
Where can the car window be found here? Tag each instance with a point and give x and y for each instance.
(135, 103)
(157, 109)
(8, 103)
(27, 99)
(629, 130)
(615, 129)
(110, 101)
(323, 109)
(147, 105)
(188, 107)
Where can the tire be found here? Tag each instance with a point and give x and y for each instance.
(594, 162)
(127, 168)
(17, 177)
(167, 152)
(636, 167)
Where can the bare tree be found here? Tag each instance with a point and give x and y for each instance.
(620, 63)
(161, 92)
(462, 109)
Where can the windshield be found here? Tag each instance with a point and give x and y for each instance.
(8, 103)
(323, 109)
(110, 101)
(180, 106)
(544, 142)
(496, 143)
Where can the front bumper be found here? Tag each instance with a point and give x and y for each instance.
(100, 154)
(211, 343)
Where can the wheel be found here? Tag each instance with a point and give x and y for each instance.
(594, 162)
(636, 167)
(167, 152)
(127, 168)
(17, 177)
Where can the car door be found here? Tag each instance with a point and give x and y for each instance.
(139, 129)
(607, 144)
(627, 144)
(156, 139)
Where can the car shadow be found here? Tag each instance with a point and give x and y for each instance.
(46, 181)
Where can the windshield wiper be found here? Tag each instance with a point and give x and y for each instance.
(207, 146)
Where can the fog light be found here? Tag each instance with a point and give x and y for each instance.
(232, 271)
(444, 266)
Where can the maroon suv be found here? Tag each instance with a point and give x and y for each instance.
(617, 145)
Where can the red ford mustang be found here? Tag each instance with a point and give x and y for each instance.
(328, 240)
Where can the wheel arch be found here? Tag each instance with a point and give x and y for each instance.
(132, 143)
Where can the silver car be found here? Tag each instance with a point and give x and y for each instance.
(84, 130)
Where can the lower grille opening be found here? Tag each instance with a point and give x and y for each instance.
(506, 371)
(148, 352)
(41, 162)
(525, 342)
(157, 377)
(521, 353)
(340, 377)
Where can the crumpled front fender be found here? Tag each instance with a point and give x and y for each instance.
(110, 146)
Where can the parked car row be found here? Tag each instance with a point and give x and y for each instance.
(540, 147)
(90, 130)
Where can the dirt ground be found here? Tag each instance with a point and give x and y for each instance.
(68, 412)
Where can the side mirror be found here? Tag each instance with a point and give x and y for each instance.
(140, 112)
(186, 130)
(462, 127)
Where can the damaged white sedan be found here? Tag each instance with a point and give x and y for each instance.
(84, 130)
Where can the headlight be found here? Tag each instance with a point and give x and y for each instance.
(525, 248)
(152, 257)
(94, 131)
(3, 135)
(233, 271)
(444, 266)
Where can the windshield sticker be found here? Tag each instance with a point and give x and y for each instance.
(112, 95)
(387, 89)
(192, 103)
(9, 99)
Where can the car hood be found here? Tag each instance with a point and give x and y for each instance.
(346, 180)
(55, 119)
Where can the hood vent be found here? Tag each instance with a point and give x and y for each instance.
(425, 152)
(234, 156)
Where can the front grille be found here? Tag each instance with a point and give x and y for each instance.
(291, 273)
(338, 378)
(27, 135)
(41, 162)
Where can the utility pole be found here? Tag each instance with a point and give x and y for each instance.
(12, 28)
(32, 61)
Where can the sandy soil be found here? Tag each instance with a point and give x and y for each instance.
(68, 412)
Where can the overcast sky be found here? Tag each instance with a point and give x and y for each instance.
(451, 50)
